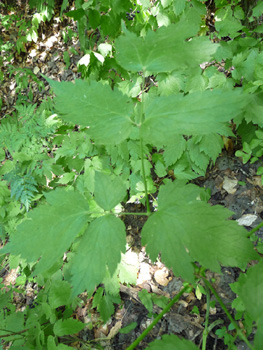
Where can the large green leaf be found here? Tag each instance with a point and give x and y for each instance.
(171, 342)
(164, 50)
(185, 229)
(109, 190)
(106, 112)
(50, 229)
(198, 113)
(100, 248)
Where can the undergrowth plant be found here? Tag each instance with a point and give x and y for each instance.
(145, 125)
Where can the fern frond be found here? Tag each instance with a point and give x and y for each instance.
(23, 187)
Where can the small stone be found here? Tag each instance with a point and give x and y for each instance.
(230, 185)
(247, 220)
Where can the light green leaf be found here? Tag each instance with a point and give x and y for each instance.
(258, 9)
(99, 248)
(66, 178)
(59, 294)
(196, 82)
(2, 154)
(51, 344)
(172, 342)
(105, 49)
(196, 113)
(106, 112)
(166, 3)
(109, 190)
(104, 303)
(160, 169)
(174, 149)
(178, 6)
(162, 19)
(170, 50)
(197, 157)
(184, 227)
(129, 328)
(106, 307)
(128, 268)
(68, 326)
(211, 145)
(146, 299)
(226, 24)
(50, 229)
(169, 84)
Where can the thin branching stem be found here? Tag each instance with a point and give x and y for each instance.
(255, 229)
(157, 318)
(239, 331)
(138, 214)
(206, 331)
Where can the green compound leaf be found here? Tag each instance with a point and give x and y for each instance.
(68, 326)
(106, 112)
(186, 229)
(100, 248)
(50, 229)
(172, 342)
(109, 190)
(198, 113)
(164, 50)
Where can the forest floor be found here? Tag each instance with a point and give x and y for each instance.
(233, 185)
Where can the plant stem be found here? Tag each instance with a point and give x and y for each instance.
(206, 331)
(255, 229)
(234, 323)
(144, 179)
(138, 214)
(157, 318)
(141, 146)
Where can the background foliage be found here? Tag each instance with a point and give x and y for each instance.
(151, 101)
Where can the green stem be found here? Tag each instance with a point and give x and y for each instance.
(255, 229)
(141, 146)
(157, 319)
(138, 214)
(206, 331)
(144, 179)
(234, 323)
